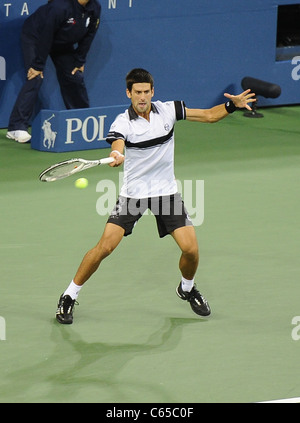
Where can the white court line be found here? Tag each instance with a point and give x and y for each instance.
(286, 400)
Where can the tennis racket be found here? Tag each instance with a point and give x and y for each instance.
(69, 167)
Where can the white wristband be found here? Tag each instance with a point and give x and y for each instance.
(116, 151)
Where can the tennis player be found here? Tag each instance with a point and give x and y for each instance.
(146, 132)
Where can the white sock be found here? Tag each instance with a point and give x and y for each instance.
(73, 290)
(186, 284)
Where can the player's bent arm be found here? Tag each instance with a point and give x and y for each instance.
(117, 148)
(212, 115)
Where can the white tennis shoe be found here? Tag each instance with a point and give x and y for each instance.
(19, 136)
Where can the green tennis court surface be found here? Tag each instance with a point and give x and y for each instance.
(133, 339)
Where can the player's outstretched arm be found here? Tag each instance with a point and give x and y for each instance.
(217, 113)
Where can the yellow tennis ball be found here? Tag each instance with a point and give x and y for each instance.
(81, 183)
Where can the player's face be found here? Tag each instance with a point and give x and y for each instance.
(141, 95)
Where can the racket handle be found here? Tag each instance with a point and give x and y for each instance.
(107, 160)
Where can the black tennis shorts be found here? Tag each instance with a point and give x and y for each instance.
(169, 211)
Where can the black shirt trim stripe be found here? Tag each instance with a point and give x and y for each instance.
(180, 110)
(113, 136)
(151, 143)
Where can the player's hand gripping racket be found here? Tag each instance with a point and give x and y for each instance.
(69, 167)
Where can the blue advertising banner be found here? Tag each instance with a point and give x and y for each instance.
(59, 131)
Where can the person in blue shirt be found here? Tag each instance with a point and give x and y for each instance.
(63, 30)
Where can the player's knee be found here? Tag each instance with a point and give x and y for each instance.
(104, 249)
(191, 252)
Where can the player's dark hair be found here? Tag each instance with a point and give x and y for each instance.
(138, 75)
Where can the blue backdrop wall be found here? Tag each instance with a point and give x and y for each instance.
(196, 50)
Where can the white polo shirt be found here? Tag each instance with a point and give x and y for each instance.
(149, 149)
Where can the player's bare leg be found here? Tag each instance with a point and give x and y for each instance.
(110, 239)
(188, 264)
(187, 242)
